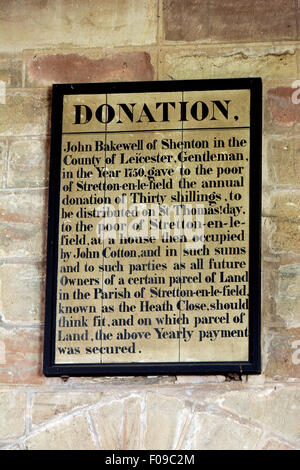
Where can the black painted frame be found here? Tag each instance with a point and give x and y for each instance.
(253, 366)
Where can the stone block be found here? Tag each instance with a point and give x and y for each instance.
(25, 112)
(2, 163)
(283, 355)
(227, 62)
(274, 444)
(47, 406)
(186, 21)
(258, 20)
(108, 421)
(20, 356)
(132, 423)
(216, 432)
(219, 21)
(72, 433)
(48, 23)
(283, 161)
(281, 108)
(288, 295)
(283, 211)
(275, 409)
(22, 224)
(12, 412)
(11, 72)
(166, 419)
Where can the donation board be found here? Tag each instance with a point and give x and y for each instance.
(154, 228)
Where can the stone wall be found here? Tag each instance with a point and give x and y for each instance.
(57, 41)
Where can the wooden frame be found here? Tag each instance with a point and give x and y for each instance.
(252, 366)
